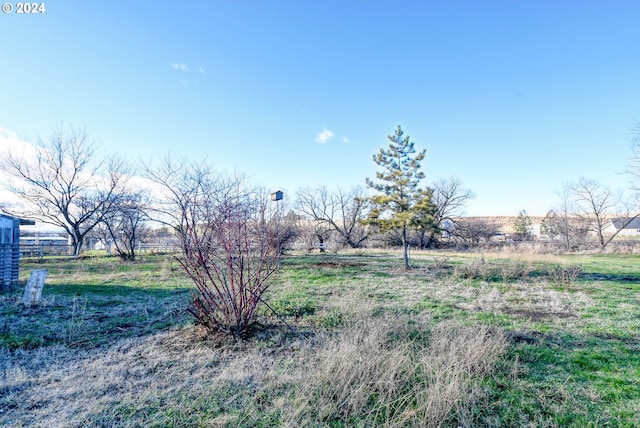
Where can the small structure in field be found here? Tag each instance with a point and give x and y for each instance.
(10, 249)
(33, 290)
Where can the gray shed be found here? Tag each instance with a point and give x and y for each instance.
(10, 249)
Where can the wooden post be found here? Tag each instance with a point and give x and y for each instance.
(33, 290)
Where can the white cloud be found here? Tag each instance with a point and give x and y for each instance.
(345, 140)
(324, 136)
(9, 141)
(6, 133)
(201, 70)
(179, 66)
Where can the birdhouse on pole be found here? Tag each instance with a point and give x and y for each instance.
(276, 196)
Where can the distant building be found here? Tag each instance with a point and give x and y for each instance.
(448, 227)
(623, 226)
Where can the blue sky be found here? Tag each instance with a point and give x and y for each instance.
(515, 98)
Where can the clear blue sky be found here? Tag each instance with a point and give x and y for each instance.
(513, 97)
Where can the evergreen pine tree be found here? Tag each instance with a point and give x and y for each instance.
(401, 202)
(522, 226)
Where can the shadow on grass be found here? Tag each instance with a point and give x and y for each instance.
(610, 278)
(86, 315)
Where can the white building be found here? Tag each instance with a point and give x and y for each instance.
(623, 226)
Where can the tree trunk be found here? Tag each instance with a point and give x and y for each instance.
(601, 238)
(320, 243)
(405, 246)
(77, 247)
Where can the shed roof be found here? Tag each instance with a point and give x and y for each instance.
(23, 221)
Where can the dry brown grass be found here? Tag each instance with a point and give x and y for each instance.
(135, 382)
(380, 374)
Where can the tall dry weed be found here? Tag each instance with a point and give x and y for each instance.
(515, 270)
(476, 268)
(564, 275)
(73, 328)
(442, 262)
(380, 374)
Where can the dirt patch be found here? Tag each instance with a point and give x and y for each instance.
(537, 315)
(535, 337)
(337, 264)
(529, 337)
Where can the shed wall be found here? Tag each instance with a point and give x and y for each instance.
(9, 250)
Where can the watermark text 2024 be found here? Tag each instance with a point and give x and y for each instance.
(23, 8)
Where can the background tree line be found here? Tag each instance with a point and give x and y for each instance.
(67, 182)
(232, 234)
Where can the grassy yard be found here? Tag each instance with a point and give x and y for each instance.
(497, 340)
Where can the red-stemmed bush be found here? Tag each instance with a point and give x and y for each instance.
(230, 256)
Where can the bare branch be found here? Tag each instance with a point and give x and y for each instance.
(339, 211)
(596, 204)
(63, 184)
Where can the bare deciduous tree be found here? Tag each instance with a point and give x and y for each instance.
(284, 228)
(596, 204)
(337, 210)
(561, 221)
(450, 199)
(66, 184)
(472, 231)
(125, 224)
(313, 234)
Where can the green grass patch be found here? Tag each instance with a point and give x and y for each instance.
(573, 354)
(614, 265)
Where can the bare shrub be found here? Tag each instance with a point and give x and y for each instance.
(232, 237)
(523, 247)
(230, 255)
(477, 268)
(442, 262)
(514, 270)
(378, 375)
(623, 247)
(564, 275)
